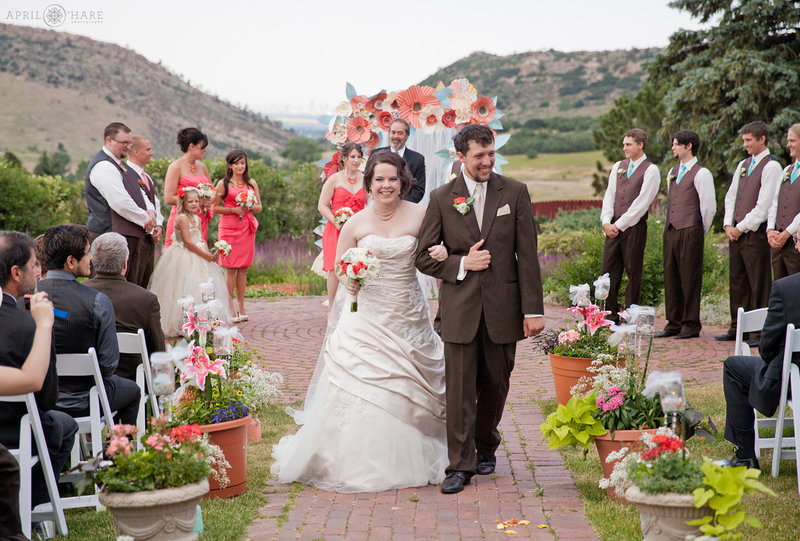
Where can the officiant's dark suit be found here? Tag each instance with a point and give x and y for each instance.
(482, 314)
(399, 130)
(755, 382)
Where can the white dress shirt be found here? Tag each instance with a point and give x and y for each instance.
(108, 181)
(704, 184)
(772, 215)
(140, 171)
(770, 176)
(640, 205)
(400, 152)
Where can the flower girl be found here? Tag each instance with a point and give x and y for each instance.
(185, 266)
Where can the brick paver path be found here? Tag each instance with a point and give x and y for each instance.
(530, 483)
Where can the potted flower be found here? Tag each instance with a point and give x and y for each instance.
(153, 492)
(572, 351)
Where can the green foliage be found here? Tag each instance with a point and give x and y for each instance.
(586, 219)
(32, 203)
(12, 159)
(636, 412)
(53, 165)
(670, 472)
(588, 346)
(723, 491)
(572, 424)
(557, 242)
(302, 150)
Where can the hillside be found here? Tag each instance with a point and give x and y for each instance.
(62, 88)
(543, 84)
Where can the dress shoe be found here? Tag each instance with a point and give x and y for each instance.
(749, 462)
(685, 335)
(665, 334)
(454, 482)
(727, 337)
(485, 465)
(752, 342)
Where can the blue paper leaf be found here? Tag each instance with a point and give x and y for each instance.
(322, 163)
(495, 124)
(444, 96)
(350, 91)
(501, 140)
(498, 114)
(494, 100)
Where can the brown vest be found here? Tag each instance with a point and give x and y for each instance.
(119, 224)
(683, 207)
(749, 186)
(628, 189)
(788, 202)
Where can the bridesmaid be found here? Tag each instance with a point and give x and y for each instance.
(237, 225)
(342, 189)
(187, 170)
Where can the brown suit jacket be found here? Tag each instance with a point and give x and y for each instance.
(510, 287)
(134, 308)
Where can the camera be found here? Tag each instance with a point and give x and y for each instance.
(27, 299)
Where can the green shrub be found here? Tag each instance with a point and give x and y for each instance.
(574, 220)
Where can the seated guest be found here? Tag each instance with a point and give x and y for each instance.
(755, 382)
(27, 363)
(134, 307)
(89, 323)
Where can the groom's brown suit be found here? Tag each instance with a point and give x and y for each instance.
(482, 315)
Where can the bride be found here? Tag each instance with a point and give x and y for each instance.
(376, 420)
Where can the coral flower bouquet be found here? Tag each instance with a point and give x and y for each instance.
(341, 215)
(358, 265)
(246, 199)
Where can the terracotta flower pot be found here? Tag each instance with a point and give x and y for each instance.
(254, 429)
(231, 437)
(566, 373)
(664, 516)
(168, 514)
(605, 446)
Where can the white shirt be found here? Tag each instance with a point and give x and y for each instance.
(772, 215)
(640, 205)
(140, 171)
(400, 152)
(770, 176)
(108, 181)
(704, 184)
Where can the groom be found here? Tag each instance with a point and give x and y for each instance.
(491, 297)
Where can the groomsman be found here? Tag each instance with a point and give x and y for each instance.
(139, 156)
(783, 219)
(746, 206)
(690, 209)
(399, 130)
(632, 186)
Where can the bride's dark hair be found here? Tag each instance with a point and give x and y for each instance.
(233, 157)
(389, 158)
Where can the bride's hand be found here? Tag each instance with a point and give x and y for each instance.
(438, 252)
(353, 287)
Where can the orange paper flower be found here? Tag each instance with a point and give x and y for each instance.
(358, 102)
(358, 130)
(374, 140)
(385, 119)
(449, 118)
(483, 110)
(375, 104)
(412, 100)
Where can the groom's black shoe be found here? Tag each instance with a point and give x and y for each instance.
(454, 482)
(485, 465)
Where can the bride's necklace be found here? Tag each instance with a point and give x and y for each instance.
(388, 215)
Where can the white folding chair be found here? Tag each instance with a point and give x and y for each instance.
(135, 343)
(27, 458)
(787, 448)
(751, 321)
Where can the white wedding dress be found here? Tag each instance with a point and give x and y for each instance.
(376, 420)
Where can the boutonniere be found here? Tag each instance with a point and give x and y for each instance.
(463, 204)
(787, 174)
(670, 176)
(122, 166)
(142, 184)
(453, 176)
(742, 172)
(621, 171)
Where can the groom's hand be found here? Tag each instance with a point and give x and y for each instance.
(477, 259)
(532, 326)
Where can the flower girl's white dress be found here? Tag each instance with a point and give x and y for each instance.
(179, 273)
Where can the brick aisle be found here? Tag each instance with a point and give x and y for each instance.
(530, 482)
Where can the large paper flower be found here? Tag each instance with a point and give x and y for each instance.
(449, 118)
(359, 102)
(376, 104)
(412, 100)
(463, 94)
(344, 109)
(332, 167)
(385, 119)
(483, 110)
(339, 133)
(463, 116)
(390, 102)
(374, 140)
(358, 130)
(430, 118)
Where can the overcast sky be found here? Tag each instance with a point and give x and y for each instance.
(299, 54)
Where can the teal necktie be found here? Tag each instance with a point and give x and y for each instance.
(752, 165)
(630, 170)
(680, 174)
(794, 172)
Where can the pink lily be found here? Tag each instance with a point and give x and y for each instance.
(596, 319)
(189, 326)
(199, 366)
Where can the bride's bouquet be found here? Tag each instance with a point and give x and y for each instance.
(360, 265)
(341, 215)
(223, 247)
(246, 200)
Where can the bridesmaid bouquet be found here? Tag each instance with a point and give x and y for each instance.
(206, 190)
(360, 265)
(246, 200)
(223, 247)
(342, 214)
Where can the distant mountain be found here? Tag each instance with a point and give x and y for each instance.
(62, 88)
(541, 84)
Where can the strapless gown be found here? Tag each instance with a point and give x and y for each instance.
(377, 418)
(240, 234)
(205, 217)
(342, 197)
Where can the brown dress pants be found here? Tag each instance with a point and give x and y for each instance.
(750, 273)
(624, 252)
(785, 261)
(683, 278)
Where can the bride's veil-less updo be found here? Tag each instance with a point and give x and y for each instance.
(389, 158)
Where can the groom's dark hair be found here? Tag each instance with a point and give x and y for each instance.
(479, 133)
(389, 158)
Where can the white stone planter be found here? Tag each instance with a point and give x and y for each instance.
(664, 516)
(157, 515)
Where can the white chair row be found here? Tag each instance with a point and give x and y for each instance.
(135, 343)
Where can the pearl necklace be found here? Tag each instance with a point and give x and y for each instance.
(387, 216)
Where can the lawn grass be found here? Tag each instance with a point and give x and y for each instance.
(223, 519)
(556, 176)
(618, 522)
